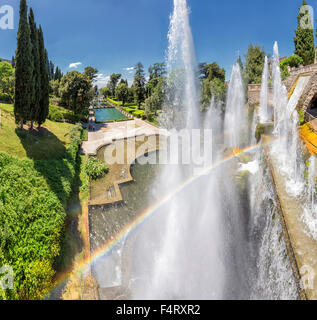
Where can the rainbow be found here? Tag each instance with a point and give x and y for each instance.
(107, 248)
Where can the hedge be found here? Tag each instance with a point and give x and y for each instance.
(33, 200)
(59, 114)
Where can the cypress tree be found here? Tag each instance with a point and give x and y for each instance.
(24, 68)
(44, 81)
(304, 37)
(35, 100)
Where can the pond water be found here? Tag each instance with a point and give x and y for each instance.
(109, 114)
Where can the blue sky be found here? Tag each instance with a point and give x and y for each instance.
(113, 35)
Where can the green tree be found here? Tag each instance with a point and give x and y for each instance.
(114, 79)
(91, 73)
(51, 69)
(122, 93)
(213, 83)
(76, 92)
(54, 87)
(254, 64)
(211, 71)
(304, 36)
(58, 74)
(24, 68)
(44, 81)
(139, 84)
(7, 80)
(36, 83)
(155, 102)
(106, 92)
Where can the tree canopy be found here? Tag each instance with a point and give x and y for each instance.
(304, 36)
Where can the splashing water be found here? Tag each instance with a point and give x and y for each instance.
(235, 119)
(177, 238)
(287, 148)
(309, 216)
(312, 180)
(211, 240)
(263, 111)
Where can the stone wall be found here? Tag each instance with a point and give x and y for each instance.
(254, 93)
(308, 94)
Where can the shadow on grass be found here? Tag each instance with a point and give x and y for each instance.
(61, 174)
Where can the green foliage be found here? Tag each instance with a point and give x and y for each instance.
(211, 71)
(114, 79)
(301, 117)
(122, 92)
(138, 113)
(284, 71)
(254, 64)
(106, 92)
(215, 87)
(95, 168)
(91, 73)
(293, 61)
(33, 198)
(24, 68)
(75, 92)
(44, 81)
(36, 78)
(7, 79)
(155, 102)
(139, 84)
(59, 114)
(304, 37)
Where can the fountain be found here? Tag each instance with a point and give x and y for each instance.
(312, 181)
(235, 119)
(287, 147)
(211, 236)
(263, 109)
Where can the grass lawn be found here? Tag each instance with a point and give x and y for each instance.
(49, 145)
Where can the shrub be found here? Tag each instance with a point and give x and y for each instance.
(301, 117)
(59, 114)
(95, 168)
(138, 113)
(4, 97)
(292, 61)
(33, 201)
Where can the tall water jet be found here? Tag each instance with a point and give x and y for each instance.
(182, 87)
(278, 94)
(263, 109)
(235, 118)
(185, 230)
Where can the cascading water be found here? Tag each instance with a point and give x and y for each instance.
(263, 109)
(309, 216)
(217, 235)
(287, 148)
(235, 119)
(312, 180)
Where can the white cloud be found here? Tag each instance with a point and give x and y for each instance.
(101, 80)
(74, 65)
(129, 69)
